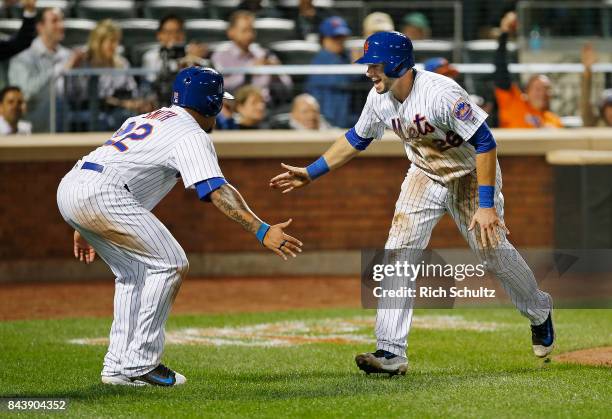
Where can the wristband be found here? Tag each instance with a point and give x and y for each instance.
(318, 168)
(262, 231)
(485, 196)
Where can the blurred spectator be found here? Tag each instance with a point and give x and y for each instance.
(374, 22)
(12, 109)
(225, 119)
(309, 18)
(515, 109)
(305, 115)
(589, 119)
(250, 108)
(377, 22)
(242, 51)
(258, 9)
(416, 26)
(114, 95)
(45, 60)
(333, 91)
(23, 38)
(440, 65)
(171, 54)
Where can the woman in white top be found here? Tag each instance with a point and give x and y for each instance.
(117, 93)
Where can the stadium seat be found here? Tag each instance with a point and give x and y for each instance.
(354, 12)
(222, 9)
(187, 9)
(289, 8)
(422, 49)
(77, 31)
(138, 50)
(9, 26)
(206, 30)
(16, 11)
(106, 9)
(138, 31)
(63, 5)
(430, 48)
(271, 29)
(483, 51)
(295, 52)
(280, 120)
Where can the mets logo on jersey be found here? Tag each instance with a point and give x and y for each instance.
(462, 109)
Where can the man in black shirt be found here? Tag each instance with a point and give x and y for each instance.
(23, 38)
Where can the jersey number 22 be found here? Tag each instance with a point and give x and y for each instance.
(130, 133)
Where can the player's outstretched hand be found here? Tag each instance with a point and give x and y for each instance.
(490, 226)
(293, 178)
(280, 243)
(83, 250)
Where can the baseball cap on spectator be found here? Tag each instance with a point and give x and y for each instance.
(418, 20)
(441, 66)
(377, 22)
(334, 26)
(606, 98)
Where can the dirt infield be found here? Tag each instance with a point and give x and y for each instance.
(197, 295)
(591, 356)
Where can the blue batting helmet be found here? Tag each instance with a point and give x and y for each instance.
(393, 49)
(200, 89)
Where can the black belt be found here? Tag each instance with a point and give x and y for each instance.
(97, 168)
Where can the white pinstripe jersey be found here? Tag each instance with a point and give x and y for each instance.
(151, 151)
(434, 122)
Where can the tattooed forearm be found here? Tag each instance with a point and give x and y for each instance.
(230, 202)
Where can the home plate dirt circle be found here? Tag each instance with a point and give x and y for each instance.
(601, 357)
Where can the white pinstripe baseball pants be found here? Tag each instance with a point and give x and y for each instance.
(421, 204)
(147, 261)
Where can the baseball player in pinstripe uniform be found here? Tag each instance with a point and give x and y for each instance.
(108, 197)
(454, 170)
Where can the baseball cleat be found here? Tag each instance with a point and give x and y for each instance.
(161, 376)
(120, 380)
(543, 337)
(382, 362)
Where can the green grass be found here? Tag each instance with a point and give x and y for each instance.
(452, 373)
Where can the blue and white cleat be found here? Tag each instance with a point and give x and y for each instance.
(382, 362)
(543, 337)
(120, 380)
(161, 376)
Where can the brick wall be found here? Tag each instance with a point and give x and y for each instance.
(350, 210)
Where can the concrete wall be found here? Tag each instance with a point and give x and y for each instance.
(335, 217)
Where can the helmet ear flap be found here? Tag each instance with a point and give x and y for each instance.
(399, 69)
(214, 104)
